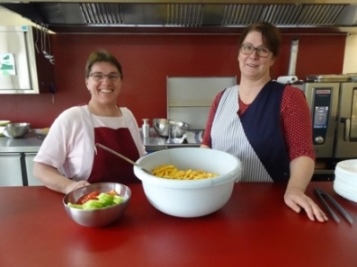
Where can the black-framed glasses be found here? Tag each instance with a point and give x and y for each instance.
(248, 49)
(99, 77)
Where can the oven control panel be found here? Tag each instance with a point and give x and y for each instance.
(321, 114)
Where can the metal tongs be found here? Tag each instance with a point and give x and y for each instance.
(323, 196)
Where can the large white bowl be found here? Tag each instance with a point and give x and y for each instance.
(189, 198)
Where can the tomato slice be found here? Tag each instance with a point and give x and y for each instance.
(85, 198)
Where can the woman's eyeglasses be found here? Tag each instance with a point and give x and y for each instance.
(99, 77)
(248, 49)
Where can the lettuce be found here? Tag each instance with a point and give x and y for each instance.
(103, 200)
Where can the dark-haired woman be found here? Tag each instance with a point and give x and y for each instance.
(266, 124)
(68, 158)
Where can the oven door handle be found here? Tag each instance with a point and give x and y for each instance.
(346, 129)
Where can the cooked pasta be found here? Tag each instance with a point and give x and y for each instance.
(171, 172)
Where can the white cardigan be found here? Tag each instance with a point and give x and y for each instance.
(69, 145)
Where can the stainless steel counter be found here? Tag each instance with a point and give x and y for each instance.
(155, 142)
(161, 141)
(29, 143)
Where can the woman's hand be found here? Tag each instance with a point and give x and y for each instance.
(296, 199)
(301, 170)
(73, 185)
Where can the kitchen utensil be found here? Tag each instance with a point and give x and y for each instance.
(170, 128)
(161, 126)
(97, 217)
(16, 130)
(178, 129)
(189, 198)
(122, 157)
(322, 195)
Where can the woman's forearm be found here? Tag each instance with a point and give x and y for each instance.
(301, 171)
(51, 177)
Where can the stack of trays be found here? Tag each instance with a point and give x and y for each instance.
(345, 183)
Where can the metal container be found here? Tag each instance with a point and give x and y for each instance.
(170, 128)
(97, 217)
(327, 78)
(161, 126)
(145, 128)
(178, 129)
(17, 130)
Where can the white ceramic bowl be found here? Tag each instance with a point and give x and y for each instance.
(189, 198)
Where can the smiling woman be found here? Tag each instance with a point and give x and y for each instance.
(104, 84)
(264, 123)
(67, 158)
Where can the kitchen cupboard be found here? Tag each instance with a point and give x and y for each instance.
(189, 98)
(17, 156)
(26, 67)
(31, 180)
(16, 169)
(11, 171)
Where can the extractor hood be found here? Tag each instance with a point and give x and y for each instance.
(195, 16)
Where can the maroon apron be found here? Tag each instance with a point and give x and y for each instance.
(108, 167)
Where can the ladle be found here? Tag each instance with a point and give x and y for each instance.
(122, 157)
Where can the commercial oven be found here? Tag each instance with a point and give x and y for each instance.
(323, 100)
(346, 134)
(333, 103)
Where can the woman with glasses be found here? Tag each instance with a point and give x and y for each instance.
(68, 158)
(264, 123)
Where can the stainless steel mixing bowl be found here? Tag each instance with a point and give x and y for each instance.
(161, 126)
(17, 130)
(97, 217)
(170, 128)
(178, 129)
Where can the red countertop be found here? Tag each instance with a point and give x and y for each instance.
(255, 228)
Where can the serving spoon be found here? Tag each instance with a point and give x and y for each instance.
(122, 157)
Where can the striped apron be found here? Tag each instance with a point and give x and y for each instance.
(256, 137)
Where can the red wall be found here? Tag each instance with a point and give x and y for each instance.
(148, 59)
